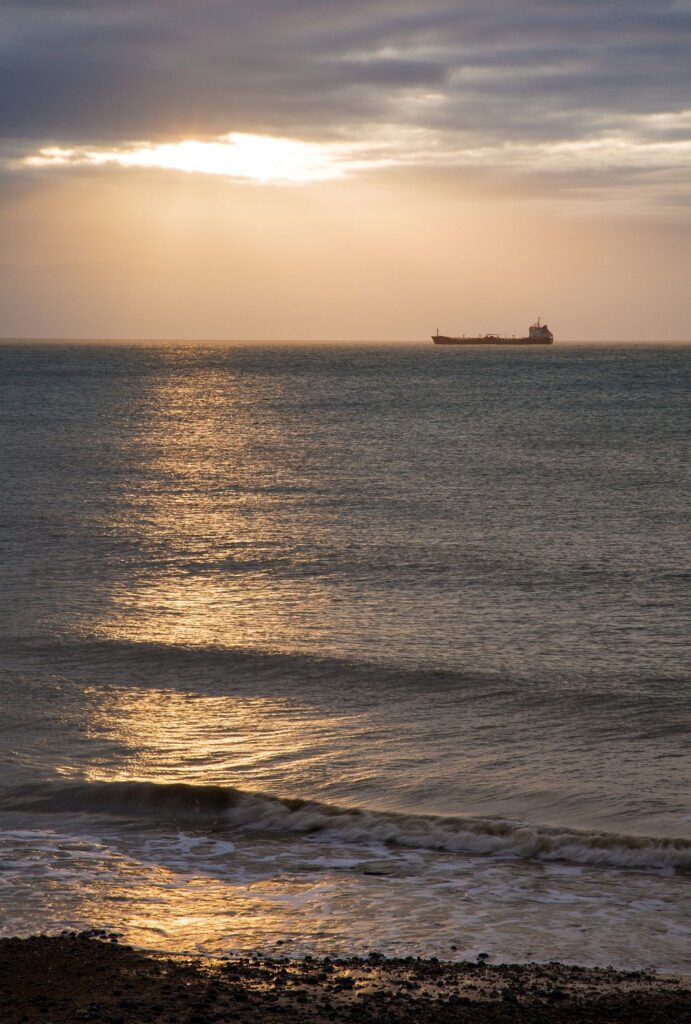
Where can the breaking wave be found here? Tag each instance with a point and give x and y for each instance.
(225, 807)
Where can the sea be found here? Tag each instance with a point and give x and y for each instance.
(338, 649)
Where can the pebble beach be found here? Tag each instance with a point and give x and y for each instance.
(91, 977)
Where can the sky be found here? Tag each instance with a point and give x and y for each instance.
(345, 170)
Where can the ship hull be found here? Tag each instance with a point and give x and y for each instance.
(441, 339)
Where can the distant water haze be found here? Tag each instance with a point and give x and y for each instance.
(147, 255)
(348, 647)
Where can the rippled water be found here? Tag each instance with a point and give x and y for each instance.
(347, 648)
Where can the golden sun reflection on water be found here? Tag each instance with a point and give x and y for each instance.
(254, 743)
(170, 911)
(216, 524)
(244, 610)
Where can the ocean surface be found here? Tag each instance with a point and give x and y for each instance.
(333, 649)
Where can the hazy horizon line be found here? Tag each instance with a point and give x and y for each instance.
(9, 340)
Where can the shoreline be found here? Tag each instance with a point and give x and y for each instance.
(90, 976)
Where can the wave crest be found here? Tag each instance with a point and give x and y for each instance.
(219, 807)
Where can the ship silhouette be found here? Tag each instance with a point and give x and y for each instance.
(538, 334)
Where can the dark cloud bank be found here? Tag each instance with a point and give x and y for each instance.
(101, 72)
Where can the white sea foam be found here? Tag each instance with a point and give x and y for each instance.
(287, 894)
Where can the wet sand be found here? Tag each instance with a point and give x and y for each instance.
(85, 977)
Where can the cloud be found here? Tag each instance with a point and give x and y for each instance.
(595, 82)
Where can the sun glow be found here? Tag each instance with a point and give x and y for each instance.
(267, 159)
(257, 158)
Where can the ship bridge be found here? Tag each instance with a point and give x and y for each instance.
(538, 331)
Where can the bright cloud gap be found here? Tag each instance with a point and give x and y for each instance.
(250, 158)
(270, 160)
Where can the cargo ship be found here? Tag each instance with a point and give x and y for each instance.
(538, 334)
